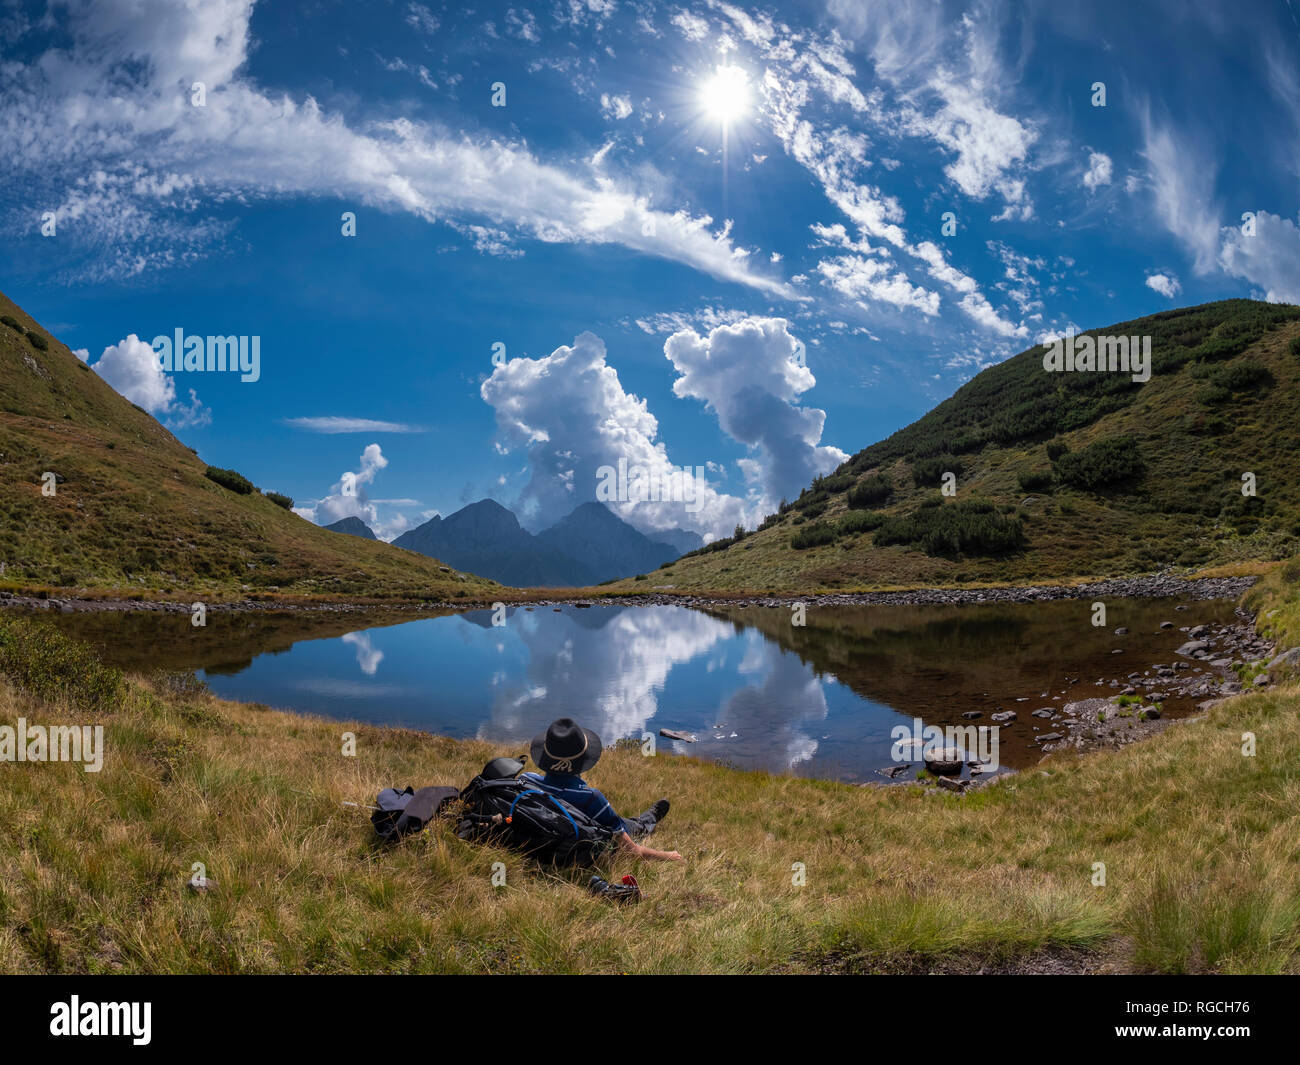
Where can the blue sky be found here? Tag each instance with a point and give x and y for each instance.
(707, 236)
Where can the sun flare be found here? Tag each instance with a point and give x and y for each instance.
(725, 95)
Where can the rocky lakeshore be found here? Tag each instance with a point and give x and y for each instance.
(1154, 586)
(1214, 663)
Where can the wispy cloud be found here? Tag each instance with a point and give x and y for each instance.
(338, 424)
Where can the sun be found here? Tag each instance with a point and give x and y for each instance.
(725, 95)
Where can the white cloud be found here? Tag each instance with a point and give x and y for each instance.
(1269, 259)
(615, 107)
(349, 498)
(571, 413)
(420, 18)
(749, 375)
(1182, 181)
(523, 25)
(335, 424)
(1099, 172)
(692, 27)
(132, 368)
(874, 280)
(1165, 284)
(674, 321)
(113, 108)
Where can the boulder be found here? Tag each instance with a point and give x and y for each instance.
(944, 760)
(1287, 660)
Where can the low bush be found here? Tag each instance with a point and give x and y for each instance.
(1241, 376)
(1057, 448)
(37, 341)
(280, 500)
(813, 536)
(870, 492)
(926, 473)
(1036, 481)
(972, 528)
(41, 660)
(859, 521)
(236, 482)
(1106, 462)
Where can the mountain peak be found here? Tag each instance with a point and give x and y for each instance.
(353, 526)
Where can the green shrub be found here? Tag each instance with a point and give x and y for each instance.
(838, 482)
(1106, 462)
(814, 536)
(41, 660)
(1294, 345)
(236, 482)
(859, 521)
(1057, 448)
(1212, 395)
(1241, 376)
(37, 341)
(1036, 481)
(973, 528)
(870, 492)
(280, 500)
(11, 322)
(927, 472)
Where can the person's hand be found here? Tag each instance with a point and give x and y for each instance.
(672, 856)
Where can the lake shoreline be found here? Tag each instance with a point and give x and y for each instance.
(1152, 586)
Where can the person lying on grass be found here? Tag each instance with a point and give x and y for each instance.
(564, 752)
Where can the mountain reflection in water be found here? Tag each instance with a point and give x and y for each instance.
(756, 690)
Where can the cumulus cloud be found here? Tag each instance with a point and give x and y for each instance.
(1100, 171)
(571, 413)
(1165, 284)
(750, 374)
(110, 105)
(133, 369)
(1270, 258)
(349, 497)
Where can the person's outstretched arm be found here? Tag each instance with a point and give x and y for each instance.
(630, 845)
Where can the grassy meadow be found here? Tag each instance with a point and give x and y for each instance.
(1201, 848)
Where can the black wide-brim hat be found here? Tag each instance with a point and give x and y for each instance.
(566, 747)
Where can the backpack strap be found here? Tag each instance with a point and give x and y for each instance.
(559, 805)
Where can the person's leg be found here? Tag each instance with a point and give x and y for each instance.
(642, 825)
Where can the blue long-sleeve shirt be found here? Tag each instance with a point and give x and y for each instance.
(580, 795)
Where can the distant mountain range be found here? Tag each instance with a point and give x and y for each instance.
(589, 546)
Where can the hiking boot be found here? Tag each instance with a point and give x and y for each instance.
(660, 810)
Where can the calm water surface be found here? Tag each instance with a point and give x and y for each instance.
(758, 692)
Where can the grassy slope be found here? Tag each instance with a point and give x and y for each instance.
(136, 511)
(1201, 846)
(1186, 511)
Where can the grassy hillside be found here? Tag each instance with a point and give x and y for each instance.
(1058, 475)
(135, 511)
(1200, 844)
